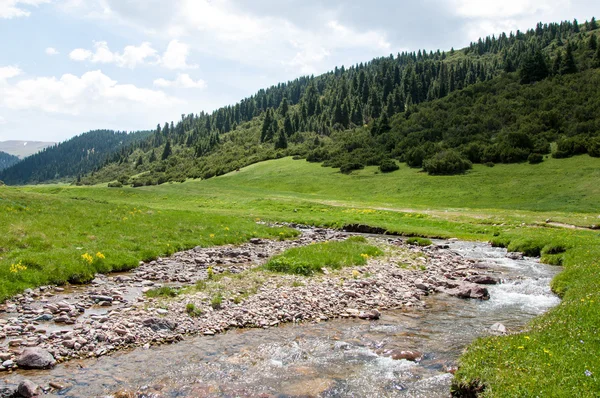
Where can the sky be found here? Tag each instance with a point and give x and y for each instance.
(70, 66)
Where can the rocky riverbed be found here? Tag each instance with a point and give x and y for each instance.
(112, 313)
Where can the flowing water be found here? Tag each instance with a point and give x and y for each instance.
(339, 358)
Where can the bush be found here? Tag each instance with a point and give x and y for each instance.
(192, 310)
(415, 157)
(350, 167)
(116, 184)
(489, 164)
(216, 301)
(535, 158)
(447, 163)
(388, 165)
(164, 291)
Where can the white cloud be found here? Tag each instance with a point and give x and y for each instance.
(2, 120)
(7, 72)
(92, 92)
(14, 8)
(131, 57)
(79, 54)
(505, 8)
(222, 29)
(175, 57)
(183, 81)
(51, 51)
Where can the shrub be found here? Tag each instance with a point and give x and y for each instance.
(116, 184)
(489, 164)
(535, 158)
(192, 310)
(447, 163)
(388, 165)
(347, 168)
(416, 241)
(415, 157)
(216, 301)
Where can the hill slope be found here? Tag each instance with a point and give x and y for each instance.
(22, 149)
(69, 159)
(7, 160)
(412, 107)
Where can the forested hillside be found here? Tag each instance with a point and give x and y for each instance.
(70, 159)
(505, 98)
(7, 160)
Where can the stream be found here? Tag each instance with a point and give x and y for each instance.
(337, 358)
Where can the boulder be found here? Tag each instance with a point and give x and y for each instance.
(35, 358)
(28, 389)
(498, 328)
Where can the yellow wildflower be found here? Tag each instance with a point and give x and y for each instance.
(355, 274)
(16, 268)
(87, 258)
(100, 256)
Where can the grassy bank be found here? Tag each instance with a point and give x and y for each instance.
(48, 229)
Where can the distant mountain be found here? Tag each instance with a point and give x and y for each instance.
(7, 160)
(79, 155)
(23, 149)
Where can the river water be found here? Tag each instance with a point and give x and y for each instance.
(339, 358)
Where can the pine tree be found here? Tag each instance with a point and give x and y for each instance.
(593, 24)
(281, 142)
(283, 107)
(557, 63)
(288, 128)
(167, 151)
(596, 60)
(152, 157)
(593, 42)
(266, 127)
(567, 65)
(534, 68)
(139, 162)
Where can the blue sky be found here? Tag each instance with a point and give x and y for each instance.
(69, 66)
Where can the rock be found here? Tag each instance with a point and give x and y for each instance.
(515, 256)
(373, 314)
(498, 328)
(483, 279)
(28, 389)
(8, 364)
(43, 318)
(35, 358)
(413, 356)
(256, 241)
(96, 297)
(56, 385)
(157, 324)
(162, 311)
(420, 285)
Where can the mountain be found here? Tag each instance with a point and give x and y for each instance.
(72, 158)
(23, 149)
(7, 160)
(438, 110)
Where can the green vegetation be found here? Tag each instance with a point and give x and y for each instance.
(416, 241)
(309, 260)
(192, 310)
(216, 301)
(164, 291)
(7, 160)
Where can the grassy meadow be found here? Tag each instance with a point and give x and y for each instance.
(47, 230)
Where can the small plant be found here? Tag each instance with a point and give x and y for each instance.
(164, 291)
(211, 273)
(18, 267)
(216, 301)
(416, 241)
(192, 310)
(355, 274)
(297, 284)
(535, 158)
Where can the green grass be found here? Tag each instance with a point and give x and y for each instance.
(164, 291)
(416, 241)
(308, 260)
(48, 228)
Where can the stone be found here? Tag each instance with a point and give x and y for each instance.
(35, 358)
(372, 314)
(498, 328)
(43, 318)
(28, 389)
(8, 364)
(97, 297)
(413, 356)
(483, 279)
(157, 324)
